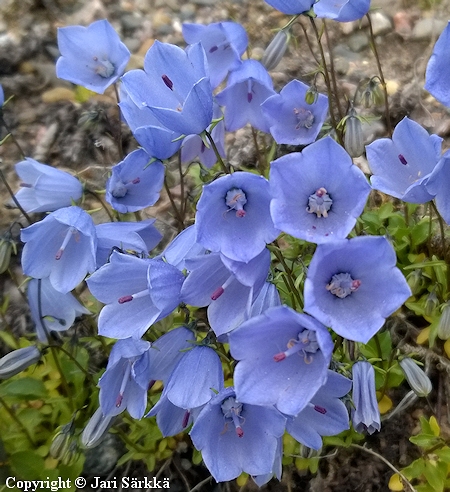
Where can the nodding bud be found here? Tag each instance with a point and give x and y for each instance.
(96, 429)
(353, 138)
(431, 303)
(275, 51)
(61, 442)
(443, 330)
(420, 383)
(7, 247)
(18, 360)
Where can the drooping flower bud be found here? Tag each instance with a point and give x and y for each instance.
(420, 383)
(443, 330)
(431, 303)
(354, 138)
(372, 94)
(61, 442)
(96, 429)
(366, 415)
(415, 280)
(18, 360)
(276, 50)
(7, 247)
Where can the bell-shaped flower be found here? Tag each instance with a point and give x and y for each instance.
(233, 216)
(18, 360)
(124, 384)
(353, 285)
(62, 247)
(317, 194)
(401, 166)
(291, 119)
(438, 69)
(227, 287)
(135, 183)
(291, 6)
(158, 141)
(325, 414)
(193, 145)
(223, 42)
(283, 359)
(175, 86)
(248, 86)
(137, 293)
(45, 188)
(236, 437)
(343, 11)
(366, 415)
(51, 310)
(277, 467)
(93, 56)
(137, 237)
(268, 297)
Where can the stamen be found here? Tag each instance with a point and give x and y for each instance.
(236, 199)
(231, 409)
(217, 293)
(321, 410)
(342, 285)
(304, 117)
(305, 344)
(124, 299)
(129, 298)
(319, 203)
(104, 68)
(69, 234)
(249, 90)
(402, 159)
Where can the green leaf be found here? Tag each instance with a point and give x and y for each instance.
(435, 473)
(424, 440)
(27, 465)
(25, 388)
(419, 233)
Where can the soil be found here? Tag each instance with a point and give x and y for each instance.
(49, 122)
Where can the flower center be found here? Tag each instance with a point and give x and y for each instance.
(120, 188)
(130, 297)
(104, 68)
(319, 203)
(235, 200)
(342, 285)
(305, 344)
(304, 117)
(231, 410)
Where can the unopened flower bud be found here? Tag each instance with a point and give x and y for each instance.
(443, 330)
(373, 94)
(96, 429)
(5, 255)
(18, 360)
(275, 51)
(61, 442)
(415, 280)
(354, 138)
(311, 95)
(366, 415)
(431, 303)
(420, 383)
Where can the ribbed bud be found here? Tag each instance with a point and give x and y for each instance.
(61, 442)
(431, 303)
(420, 383)
(311, 95)
(96, 429)
(373, 94)
(7, 247)
(354, 138)
(18, 360)
(276, 50)
(443, 330)
(415, 280)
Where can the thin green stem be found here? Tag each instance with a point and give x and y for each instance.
(119, 136)
(183, 202)
(13, 138)
(174, 207)
(327, 82)
(17, 420)
(373, 46)
(262, 164)
(102, 203)
(443, 242)
(14, 199)
(288, 272)
(386, 462)
(72, 358)
(216, 151)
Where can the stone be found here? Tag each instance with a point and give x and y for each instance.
(425, 29)
(358, 42)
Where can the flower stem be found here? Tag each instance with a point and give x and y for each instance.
(14, 199)
(216, 151)
(119, 136)
(380, 72)
(17, 420)
(174, 207)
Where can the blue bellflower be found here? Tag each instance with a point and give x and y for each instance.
(438, 185)
(233, 216)
(318, 194)
(57, 311)
(353, 285)
(175, 86)
(401, 166)
(137, 292)
(235, 437)
(291, 119)
(283, 359)
(325, 415)
(247, 88)
(227, 287)
(137, 237)
(134, 183)
(44, 188)
(157, 140)
(183, 247)
(366, 415)
(93, 56)
(124, 384)
(438, 69)
(62, 247)
(342, 10)
(224, 44)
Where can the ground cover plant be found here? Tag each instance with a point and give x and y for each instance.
(292, 305)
